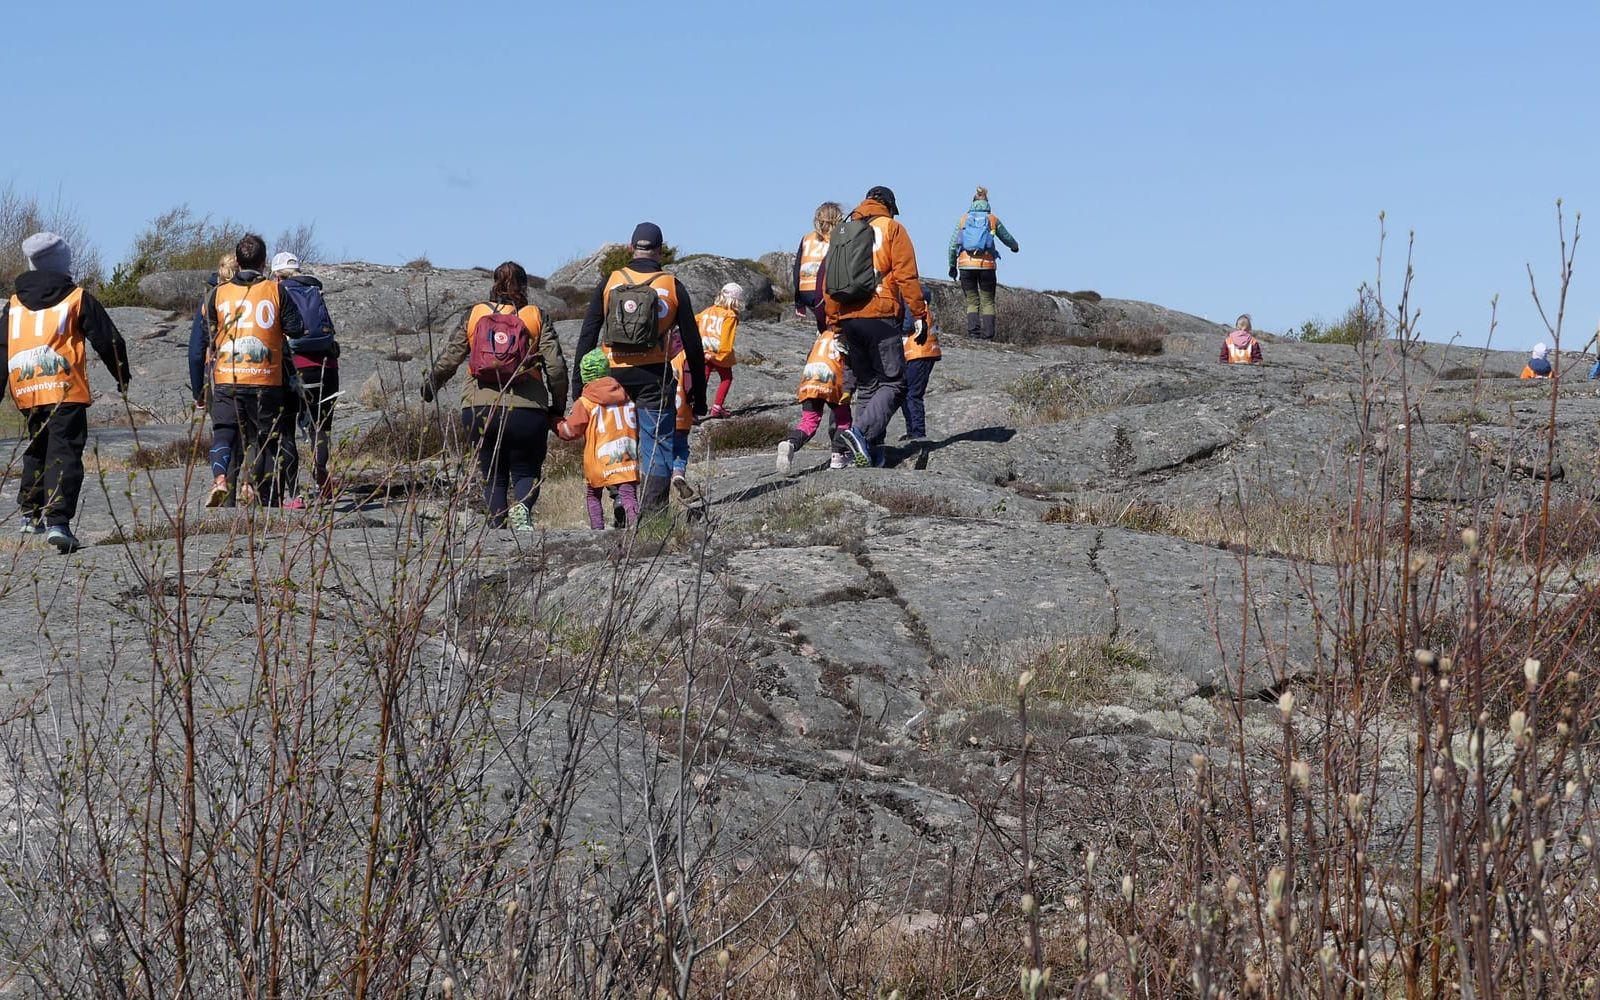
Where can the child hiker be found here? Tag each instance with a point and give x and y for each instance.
(823, 384)
(719, 325)
(921, 355)
(680, 433)
(605, 418)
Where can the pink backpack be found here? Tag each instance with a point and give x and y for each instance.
(500, 344)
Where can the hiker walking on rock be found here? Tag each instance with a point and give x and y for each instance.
(1538, 365)
(517, 381)
(808, 262)
(45, 325)
(870, 281)
(974, 259)
(315, 354)
(631, 316)
(250, 321)
(1241, 346)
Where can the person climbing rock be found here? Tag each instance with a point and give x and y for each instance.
(974, 259)
(921, 356)
(629, 317)
(518, 380)
(808, 262)
(1241, 346)
(45, 325)
(1538, 365)
(870, 282)
(250, 319)
(824, 385)
(604, 417)
(719, 328)
(315, 355)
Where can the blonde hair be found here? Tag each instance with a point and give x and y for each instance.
(731, 297)
(227, 267)
(1243, 323)
(827, 216)
(982, 194)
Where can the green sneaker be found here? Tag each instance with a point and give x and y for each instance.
(520, 519)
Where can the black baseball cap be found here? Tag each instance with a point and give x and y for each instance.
(884, 197)
(647, 236)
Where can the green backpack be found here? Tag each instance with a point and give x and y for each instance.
(850, 276)
(631, 316)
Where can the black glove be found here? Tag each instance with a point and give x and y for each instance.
(953, 273)
(428, 389)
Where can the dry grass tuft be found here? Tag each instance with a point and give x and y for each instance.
(912, 503)
(755, 432)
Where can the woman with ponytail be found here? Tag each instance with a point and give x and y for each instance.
(973, 260)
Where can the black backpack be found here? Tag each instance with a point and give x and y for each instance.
(632, 314)
(848, 272)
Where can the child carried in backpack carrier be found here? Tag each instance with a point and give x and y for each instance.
(824, 384)
(719, 325)
(605, 418)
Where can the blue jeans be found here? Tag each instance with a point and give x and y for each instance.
(656, 430)
(915, 408)
(680, 452)
(1594, 372)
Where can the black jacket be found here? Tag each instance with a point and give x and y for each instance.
(694, 357)
(43, 289)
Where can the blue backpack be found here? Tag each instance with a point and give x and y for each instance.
(318, 338)
(976, 234)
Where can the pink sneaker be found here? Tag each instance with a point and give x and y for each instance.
(718, 413)
(838, 461)
(295, 503)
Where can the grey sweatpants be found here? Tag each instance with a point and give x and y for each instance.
(878, 362)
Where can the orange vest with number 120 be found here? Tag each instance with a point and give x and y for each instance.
(248, 349)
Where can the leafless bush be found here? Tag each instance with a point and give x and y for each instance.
(300, 240)
(23, 215)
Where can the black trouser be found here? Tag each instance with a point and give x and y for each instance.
(256, 419)
(511, 442)
(811, 302)
(978, 283)
(52, 465)
(311, 409)
(878, 362)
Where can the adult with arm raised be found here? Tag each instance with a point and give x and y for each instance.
(639, 352)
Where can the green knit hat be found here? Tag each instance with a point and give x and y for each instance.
(594, 365)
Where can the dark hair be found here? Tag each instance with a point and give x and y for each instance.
(510, 284)
(251, 252)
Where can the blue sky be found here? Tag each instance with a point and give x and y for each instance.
(1215, 158)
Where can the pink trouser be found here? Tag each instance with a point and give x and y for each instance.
(595, 497)
(726, 374)
(811, 419)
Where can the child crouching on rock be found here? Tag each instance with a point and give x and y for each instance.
(822, 385)
(605, 418)
(719, 325)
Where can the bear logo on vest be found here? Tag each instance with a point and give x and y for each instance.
(36, 361)
(818, 371)
(243, 349)
(619, 451)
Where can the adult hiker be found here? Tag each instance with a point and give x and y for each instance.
(808, 262)
(1538, 365)
(518, 384)
(1241, 346)
(974, 259)
(631, 317)
(45, 325)
(200, 356)
(870, 282)
(250, 320)
(315, 355)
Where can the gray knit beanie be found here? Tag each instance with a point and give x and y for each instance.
(47, 252)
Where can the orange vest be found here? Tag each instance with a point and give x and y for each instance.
(666, 314)
(813, 249)
(248, 349)
(979, 261)
(45, 353)
(823, 376)
(685, 408)
(610, 444)
(1241, 355)
(719, 326)
(916, 352)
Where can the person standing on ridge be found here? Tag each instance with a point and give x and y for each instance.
(808, 262)
(870, 282)
(250, 320)
(1538, 365)
(45, 325)
(316, 360)
(1241, 346)
(630, 318)
(518, 383)
(973, 260)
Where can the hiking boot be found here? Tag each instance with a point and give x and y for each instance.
(681, 488)
(852, 442)
(63, 539)
(785, 461)
(838, 460)
(31, 526)
(219, 492)
(986, 322)
(519, 518)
